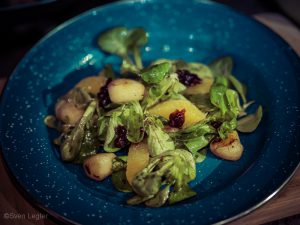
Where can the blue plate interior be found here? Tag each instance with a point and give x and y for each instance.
(190, 30)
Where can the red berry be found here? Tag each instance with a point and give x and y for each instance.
(187, 78)
(176, 119)
(103, 95)
(121, 139)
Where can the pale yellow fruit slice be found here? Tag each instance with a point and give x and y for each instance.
(99, 166)
(92, 84)
(202, 88)
(138, 159)
(229, 148)
(125, 90)
(192, 115)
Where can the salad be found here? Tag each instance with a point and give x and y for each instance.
(146, 127)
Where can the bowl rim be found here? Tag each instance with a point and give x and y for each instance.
(28, 196)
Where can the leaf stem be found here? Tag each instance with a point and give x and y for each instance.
(137, 58)
(128, 60)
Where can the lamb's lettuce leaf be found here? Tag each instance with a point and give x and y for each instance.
(158, 140)
(72, 144)
(89, 145)
(137, 38)
(227, 101)
(165, 89)
(227, 127)
(183, 193)
(195, 137)
(125, 43)
(241, 89)
(160, 198)
(202, 101)
(200, 156)
(250, 123)
(218, 98)
(130, 116)
(120, 182)
(114, 41)
(174, 168)
(156, 73)
(223, 67)
(114, 122)
(133, 119)
(194, 145)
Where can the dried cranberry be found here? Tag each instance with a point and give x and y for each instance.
(187, 78)
(176, 119)
(121, 140)
(216, 124)
(120, 130)
(103, 95)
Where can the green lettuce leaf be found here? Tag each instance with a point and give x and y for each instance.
(119, 163)
(136, 39)
(130, 116)
(72, 144)
(250, 123)
(114, 122)
(179, 195)
(202, 101)
(241, 89)
(174, 168)
(158, 140)
(227, 101)
(194, 145)
(227, 127)
(200, 156)
(128, 67)
(156, 73)
(233, 103)
(222, 66)
(195, 137)
(103, 124)
(218, 97)
(120, 182)
(114, 41)
(164, 90)
(160, 198)
(133, 119)
(89, 145)
(126, 44)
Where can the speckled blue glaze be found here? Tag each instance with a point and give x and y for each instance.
(189, 30)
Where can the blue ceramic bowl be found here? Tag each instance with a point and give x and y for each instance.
(189, 30)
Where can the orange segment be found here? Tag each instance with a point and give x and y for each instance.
(138, 159)
(92, 84)
(192, 114)
(202, 88)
